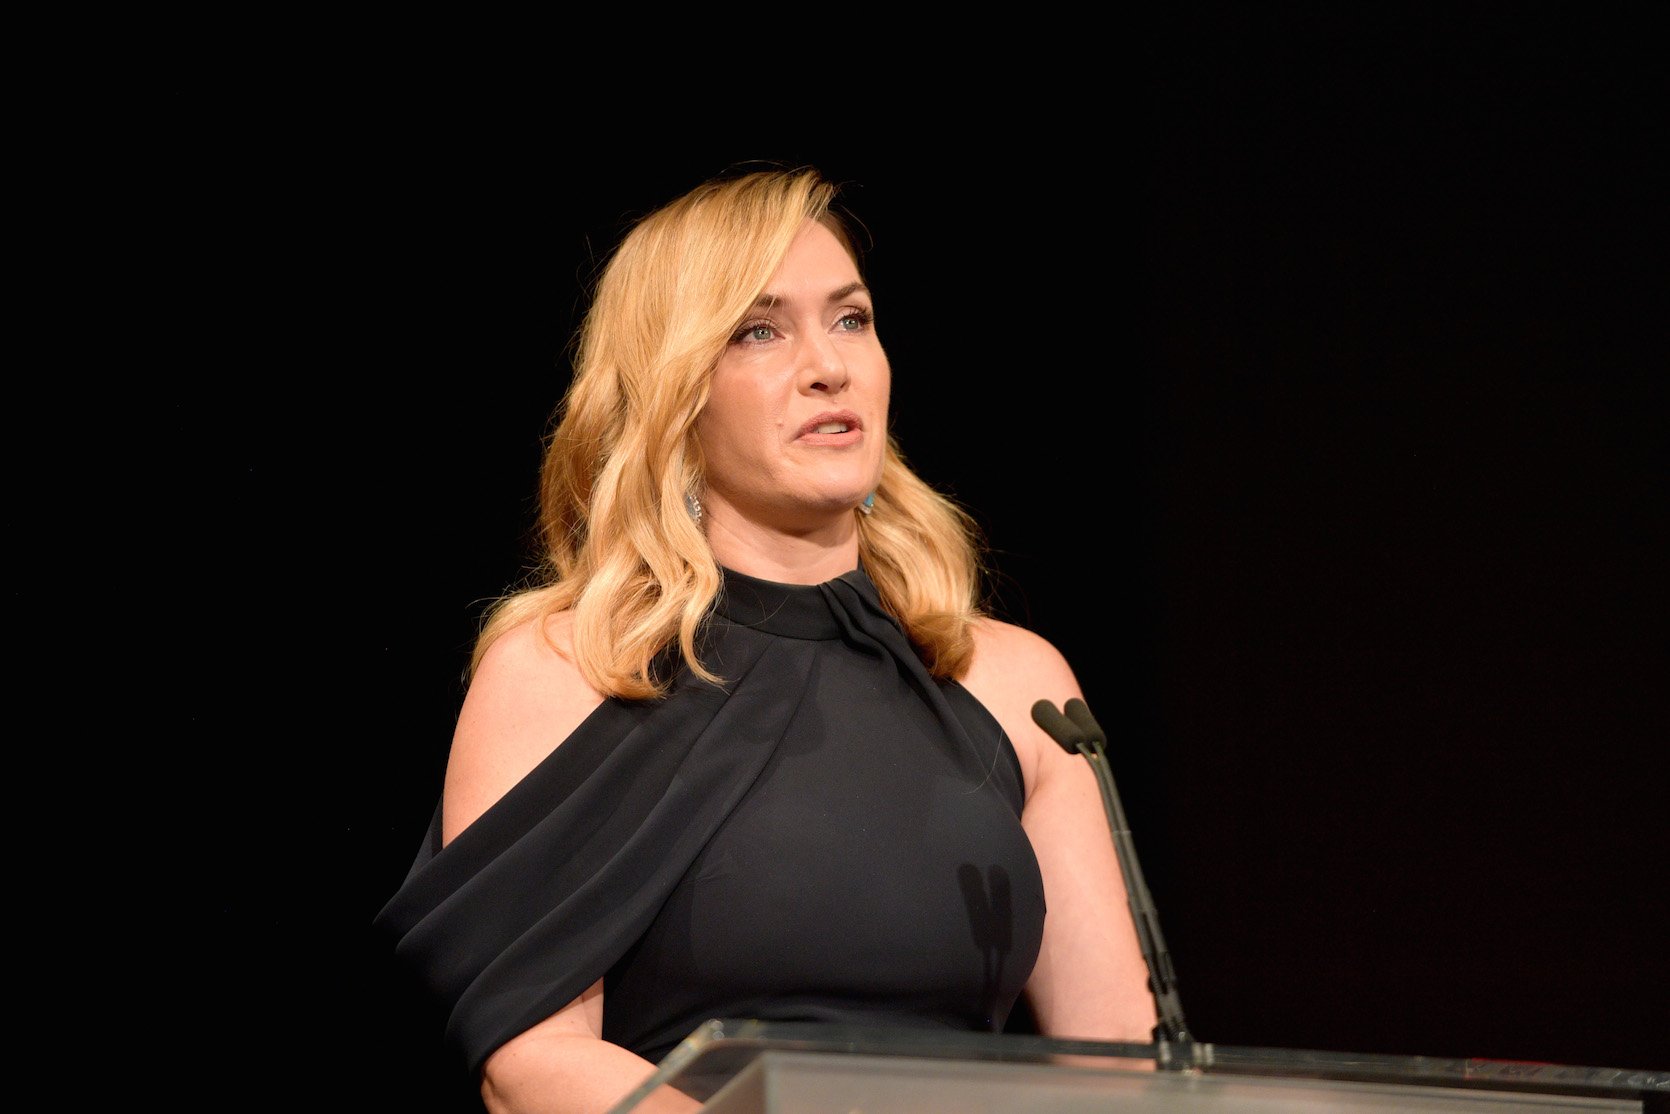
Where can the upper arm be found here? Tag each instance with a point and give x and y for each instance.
(1090, 980)
(1013, 669)
(524, 699)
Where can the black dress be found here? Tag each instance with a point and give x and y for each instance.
(831, 835)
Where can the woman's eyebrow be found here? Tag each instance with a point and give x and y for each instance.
(768, 299)
(847, 291)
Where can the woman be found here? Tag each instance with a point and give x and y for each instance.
(751, 748)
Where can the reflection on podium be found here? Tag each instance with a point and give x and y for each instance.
(754, 1067)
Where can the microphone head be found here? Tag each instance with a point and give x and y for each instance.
(1079, 712)
(1058, 726)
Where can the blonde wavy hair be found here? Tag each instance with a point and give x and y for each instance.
(619, 548)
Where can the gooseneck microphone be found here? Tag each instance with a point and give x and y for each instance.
(1078, 733)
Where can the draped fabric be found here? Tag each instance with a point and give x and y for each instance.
(564, 879)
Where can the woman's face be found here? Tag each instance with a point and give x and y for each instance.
(795, 427)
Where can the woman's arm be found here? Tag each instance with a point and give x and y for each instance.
(524, 699)
(1090, 981)
(563, 1066)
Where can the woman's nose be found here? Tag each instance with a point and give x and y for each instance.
(822, 367)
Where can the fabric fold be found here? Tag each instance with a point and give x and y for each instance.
(533, 902)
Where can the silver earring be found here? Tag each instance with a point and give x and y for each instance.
(868, 506)
(694, 506)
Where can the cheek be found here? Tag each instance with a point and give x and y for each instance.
(732, 418)
(749, 401)
(722, 404)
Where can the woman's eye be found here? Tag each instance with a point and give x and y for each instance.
(754, 332)
(856, 321)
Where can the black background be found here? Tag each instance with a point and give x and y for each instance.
(1309, 388)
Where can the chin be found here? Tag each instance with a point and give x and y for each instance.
(828, 505)
(838, 497)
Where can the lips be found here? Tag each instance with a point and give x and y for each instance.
(835, 427)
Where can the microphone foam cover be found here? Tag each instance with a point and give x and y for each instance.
(1058, 726)
(1079, 712)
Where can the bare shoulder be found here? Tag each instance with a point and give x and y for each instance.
(1013, 669)
(525, 698)
(1012, 659)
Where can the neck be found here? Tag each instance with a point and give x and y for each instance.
(810, 558)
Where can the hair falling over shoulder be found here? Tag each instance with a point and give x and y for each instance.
(619, 549)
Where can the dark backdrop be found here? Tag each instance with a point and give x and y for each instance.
(1312, 399)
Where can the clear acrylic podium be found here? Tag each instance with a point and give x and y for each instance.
(754, 1067)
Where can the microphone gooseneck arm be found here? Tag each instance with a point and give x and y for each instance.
(1078, 733)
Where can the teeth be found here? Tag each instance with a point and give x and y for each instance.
(832, 427)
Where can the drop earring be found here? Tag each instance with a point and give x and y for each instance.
(868, 506)
(694, 506)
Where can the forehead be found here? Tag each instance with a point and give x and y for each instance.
(816, 257)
